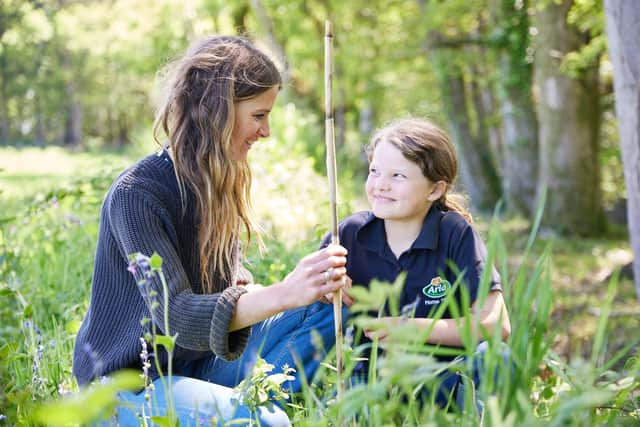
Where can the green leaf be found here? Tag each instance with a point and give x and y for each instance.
(155, 261)
(90, 404)
(167, 342)
(5, 291)
(161, 421)
(28, 311)
(72, 326)
(547, 393)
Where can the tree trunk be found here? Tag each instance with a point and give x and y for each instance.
(623, 33)
(239, 15)
(519, 124)
(73, 121)
(482, 99)
(569, 116)
(39, 129)
(477, 171)
(276, 47)
(4, 116)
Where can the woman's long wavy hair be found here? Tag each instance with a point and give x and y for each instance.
(196, 113)
(428, 146)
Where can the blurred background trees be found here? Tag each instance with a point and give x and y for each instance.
(523, 86)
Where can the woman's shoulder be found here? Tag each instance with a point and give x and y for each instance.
(151, 178)
(151, 172)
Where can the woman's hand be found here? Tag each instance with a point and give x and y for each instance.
(319, 273)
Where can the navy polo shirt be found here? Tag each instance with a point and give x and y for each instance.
(446, 240)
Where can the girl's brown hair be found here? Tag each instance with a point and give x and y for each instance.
(428, 146)
(196, 113)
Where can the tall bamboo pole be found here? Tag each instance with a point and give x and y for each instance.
(333, 187)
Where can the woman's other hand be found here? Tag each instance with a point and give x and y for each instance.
(319, 273)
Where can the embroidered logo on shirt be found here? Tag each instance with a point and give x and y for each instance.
(437, 288)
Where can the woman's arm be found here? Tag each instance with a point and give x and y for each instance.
(447, 332)
(304, 285)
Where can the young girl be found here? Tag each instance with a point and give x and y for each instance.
(189, 203)
(417, 226)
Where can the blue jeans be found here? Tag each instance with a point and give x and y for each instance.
(462, 386)
(204, 388)
(452, 387)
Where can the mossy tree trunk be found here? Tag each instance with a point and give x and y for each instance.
(517, 111)
(569, 119)
(476, 166)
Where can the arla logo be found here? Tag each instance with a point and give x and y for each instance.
(437, 288)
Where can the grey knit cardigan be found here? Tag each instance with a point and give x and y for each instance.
(142, 213)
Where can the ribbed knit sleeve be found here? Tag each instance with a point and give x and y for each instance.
(227, 345)
(141, 224)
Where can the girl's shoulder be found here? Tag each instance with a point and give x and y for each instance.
(453, 226)
(454, 219)
(356, 220)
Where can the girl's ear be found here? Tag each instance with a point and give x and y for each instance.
(438, 190)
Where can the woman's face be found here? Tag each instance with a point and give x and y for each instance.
(251, 122)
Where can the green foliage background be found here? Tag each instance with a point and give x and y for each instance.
(573, 319)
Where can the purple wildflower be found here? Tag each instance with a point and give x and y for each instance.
(97, 364)
(132, 267)
(144, 358)
(143, 262)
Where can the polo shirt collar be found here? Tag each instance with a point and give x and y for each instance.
(428, 237)
(371, 233)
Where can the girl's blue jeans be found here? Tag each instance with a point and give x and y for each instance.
(202, 390)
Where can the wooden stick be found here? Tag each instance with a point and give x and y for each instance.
(333, 187)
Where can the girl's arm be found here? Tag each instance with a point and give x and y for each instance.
(447, 332)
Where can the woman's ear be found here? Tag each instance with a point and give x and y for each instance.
(438, 190)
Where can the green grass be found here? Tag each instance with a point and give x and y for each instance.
(574, 322)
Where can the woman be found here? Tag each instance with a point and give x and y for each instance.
(189, 203)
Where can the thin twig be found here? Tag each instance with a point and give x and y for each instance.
(333, 187)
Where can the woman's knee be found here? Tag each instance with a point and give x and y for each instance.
(196, 402)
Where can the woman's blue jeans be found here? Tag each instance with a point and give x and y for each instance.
(203, 389)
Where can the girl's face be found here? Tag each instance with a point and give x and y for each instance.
(396, 188)
(251, 122)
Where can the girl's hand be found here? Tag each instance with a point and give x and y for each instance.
(380, 327)
(319, 273)
(346, 299)
(244, 276)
